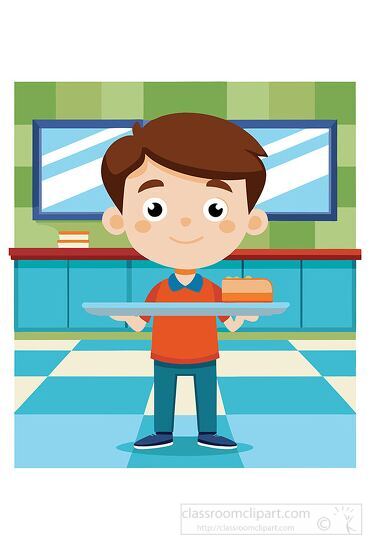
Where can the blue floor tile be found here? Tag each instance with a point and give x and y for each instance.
(37, 363)
(107, 345)
(89, 395)
(281, 395)
(256, 345)
(73, 441)
(296, 441)
(185, 452)
(332, 363)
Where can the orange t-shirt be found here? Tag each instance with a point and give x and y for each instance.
(185, 339)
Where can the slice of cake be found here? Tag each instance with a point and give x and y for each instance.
(247, 289)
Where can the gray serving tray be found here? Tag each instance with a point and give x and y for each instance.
(191, 309)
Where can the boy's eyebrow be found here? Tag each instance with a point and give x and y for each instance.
(220, 184)
(149, 184)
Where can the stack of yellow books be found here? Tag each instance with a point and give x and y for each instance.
(73, 239)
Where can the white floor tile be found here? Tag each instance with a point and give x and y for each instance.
(346, 387)
(319, 345)
(57, 345)
(105, 363)
(185, 398)
(264, 363)
(25, 386)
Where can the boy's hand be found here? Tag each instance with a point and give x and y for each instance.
(234, 324)
(250, 318)
(134, 321)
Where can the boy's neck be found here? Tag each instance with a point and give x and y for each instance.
(185, 271)
(185, 276)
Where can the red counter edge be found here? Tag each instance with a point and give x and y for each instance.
(131, 254)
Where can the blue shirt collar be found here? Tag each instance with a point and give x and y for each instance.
(195, 285)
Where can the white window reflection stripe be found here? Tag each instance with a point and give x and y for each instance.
(294, 139)
(295, 173)
(81, 145)
(71, 183)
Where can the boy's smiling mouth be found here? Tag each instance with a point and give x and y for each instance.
(186, 242)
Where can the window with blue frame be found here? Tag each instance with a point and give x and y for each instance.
(67, 156)
(301, 167)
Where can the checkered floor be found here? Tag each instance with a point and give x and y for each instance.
(286, 403)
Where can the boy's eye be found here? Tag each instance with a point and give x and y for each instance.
(215, 210)
(154, 210)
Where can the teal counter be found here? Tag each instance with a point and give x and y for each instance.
(49, 293)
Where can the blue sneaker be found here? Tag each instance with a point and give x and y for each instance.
(206, 439)
(155, 441)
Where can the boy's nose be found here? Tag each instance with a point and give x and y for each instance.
(185, 221)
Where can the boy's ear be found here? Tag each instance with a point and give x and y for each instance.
(113, 221)
(257, 222)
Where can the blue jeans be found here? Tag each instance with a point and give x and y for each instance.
(205, 385)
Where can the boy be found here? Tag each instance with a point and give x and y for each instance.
(184, 188)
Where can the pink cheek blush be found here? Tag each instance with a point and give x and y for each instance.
(227, 226)
(143, 226)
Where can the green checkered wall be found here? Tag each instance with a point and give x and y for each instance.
(245, 100)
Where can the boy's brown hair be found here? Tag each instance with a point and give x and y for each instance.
(195, 144)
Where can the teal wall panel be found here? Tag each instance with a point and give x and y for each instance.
(328, 299)
(285, 276)
(95, 281)
(41, 289)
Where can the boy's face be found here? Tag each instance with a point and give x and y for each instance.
(182, 221)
